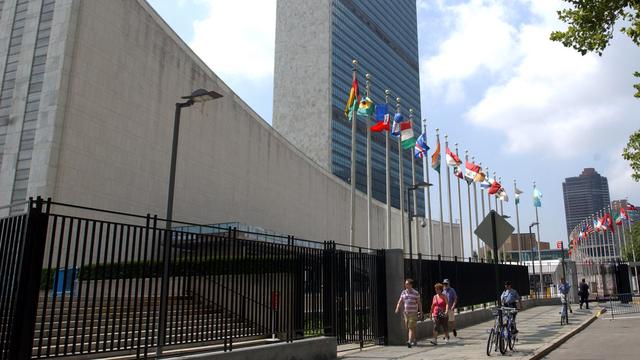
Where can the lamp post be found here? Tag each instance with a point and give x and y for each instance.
(533, 264)
(410, 216)
(197, 96)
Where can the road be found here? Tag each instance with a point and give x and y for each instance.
(604, 339)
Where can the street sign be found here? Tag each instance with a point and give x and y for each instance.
(559, 244)
(503, 230)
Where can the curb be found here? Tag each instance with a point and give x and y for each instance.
(548, 349)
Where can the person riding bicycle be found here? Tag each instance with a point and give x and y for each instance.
(510, 298)
(564, 289)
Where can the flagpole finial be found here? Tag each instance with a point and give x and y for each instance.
(398, 100)
(437, 131)
(354, 62)
(367, 76)
(387, 92)
(446, 136)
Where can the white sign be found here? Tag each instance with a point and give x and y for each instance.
(485, 231)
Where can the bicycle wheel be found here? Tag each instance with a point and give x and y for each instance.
(491, 342)
(566, 318)
(512, 341)
(502, 344)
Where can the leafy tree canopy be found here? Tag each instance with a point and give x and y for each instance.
(592, 24)
(631, 153)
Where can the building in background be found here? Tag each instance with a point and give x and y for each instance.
(584, 195)
(316, 41)
(87, 101)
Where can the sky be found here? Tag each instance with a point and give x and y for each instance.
(527, 107)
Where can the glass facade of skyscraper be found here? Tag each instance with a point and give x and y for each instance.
(382, 36)
(584, 195)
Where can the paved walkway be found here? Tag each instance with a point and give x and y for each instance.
(538, 326)
(604, 339)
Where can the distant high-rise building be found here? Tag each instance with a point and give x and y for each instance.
(316, 41)
(584, 195)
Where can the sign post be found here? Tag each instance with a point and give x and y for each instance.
(494, 231)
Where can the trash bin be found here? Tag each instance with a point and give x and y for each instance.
(64, 280)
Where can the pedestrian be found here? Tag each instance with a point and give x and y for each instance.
(452, 300)
(583, 292)
(438, 313)
(509, 298)
(410, 299)
(564, 289)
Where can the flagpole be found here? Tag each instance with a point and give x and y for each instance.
(517, 200)
(466, 159)
(354, 128)
(367, 87)
(460, 214)
(495, 198)
(504, 253)
(427, 189)
(413, 182)
(387, 145)
(401, 180)
(446, 145)
(483, 212)
(539, 253)
(440, 195)
(633, 252)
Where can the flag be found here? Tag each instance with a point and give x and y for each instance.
(397, 119)
(623, 214)
(517, 197)
(459, 174)
(631, 208)
(537, 197)
(588, 229)
(609, 222)
(502, 194)
(435, 158)
(618, 217)
(452, 158)
(495, 187)
(471, 170)
(406, 135)
(486, 184)
(480, 177)
(597, 225)
(382, 117)
(365, 108)
(421, 147)
(354, 99)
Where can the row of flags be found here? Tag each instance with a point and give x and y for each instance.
(403, 128)
(603, 224)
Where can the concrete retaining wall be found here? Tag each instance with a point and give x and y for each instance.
(320, 348)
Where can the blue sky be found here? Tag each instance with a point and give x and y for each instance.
(491, 79)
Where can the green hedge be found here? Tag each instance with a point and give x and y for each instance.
(179, 267)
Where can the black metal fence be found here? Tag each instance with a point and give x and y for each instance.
(476, 278)
(96, 286)
(622, 304)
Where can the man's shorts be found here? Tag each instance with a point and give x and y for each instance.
(452, 315)
(411, 320)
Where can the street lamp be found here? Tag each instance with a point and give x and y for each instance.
(410, 217)
(197, 96)
(533, 264)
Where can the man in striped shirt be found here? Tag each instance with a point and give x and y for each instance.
(410, 299)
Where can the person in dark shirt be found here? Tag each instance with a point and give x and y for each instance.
(583, 292)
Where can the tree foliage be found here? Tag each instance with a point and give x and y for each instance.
(632, 239)
(631, 153)
(592, 25)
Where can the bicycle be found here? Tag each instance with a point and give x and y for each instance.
(502, 336)
(564, 313)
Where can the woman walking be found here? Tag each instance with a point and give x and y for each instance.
(439, 309)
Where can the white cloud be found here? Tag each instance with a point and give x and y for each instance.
(481, 40)
(237, 38)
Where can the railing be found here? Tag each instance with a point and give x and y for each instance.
(623, 304)
(93, 287)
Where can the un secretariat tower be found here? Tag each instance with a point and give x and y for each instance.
(316, 40)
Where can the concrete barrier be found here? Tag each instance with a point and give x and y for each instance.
(318, 348)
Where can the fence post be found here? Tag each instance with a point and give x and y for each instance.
(31, 257)
(381, 299)
(328, 288)
(164, 289)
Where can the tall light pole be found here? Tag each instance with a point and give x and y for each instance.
(197, 96)
(533, 264)
(410, 216)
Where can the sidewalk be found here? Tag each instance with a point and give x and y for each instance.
(539, 326)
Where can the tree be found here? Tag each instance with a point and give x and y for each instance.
(592, 22)
(632, 239)
(631, 153)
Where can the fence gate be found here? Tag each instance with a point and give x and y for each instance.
(360, 297)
